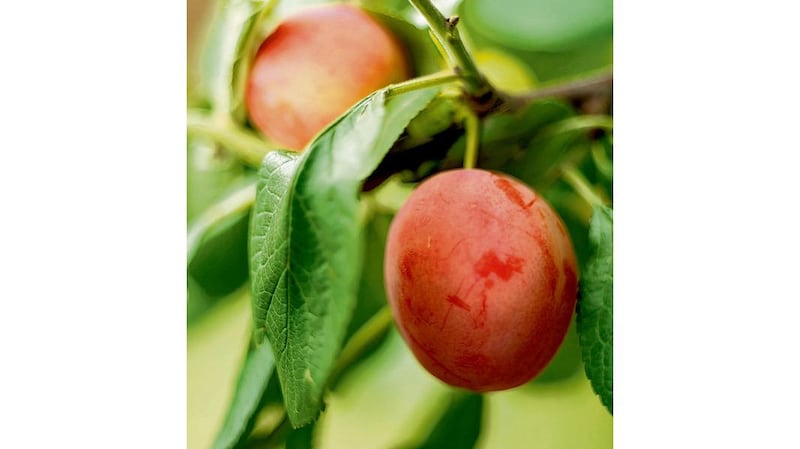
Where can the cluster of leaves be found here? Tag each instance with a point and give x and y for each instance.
(298, 232)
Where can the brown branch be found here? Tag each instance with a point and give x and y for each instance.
(601, 84)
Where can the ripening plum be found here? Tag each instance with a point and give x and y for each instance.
(315, 66)
(481, 278)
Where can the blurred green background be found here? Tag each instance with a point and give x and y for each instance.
(387, 400)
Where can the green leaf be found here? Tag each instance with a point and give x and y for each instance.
(460, 426)
(210, 174)
(420, 49)
(217, 218)
(252, 34)
(301, 438)
(237, 31)
(305, 250)
(371, 290)
(220, 52)
(253, 380)
(404, 10)
(217, 248)
(542, 25)
(504, 136)
(595, 306)
(554, 145)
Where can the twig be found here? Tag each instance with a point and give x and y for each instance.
(243, 144)
(483, 97)
(365, 338)
(583, 87)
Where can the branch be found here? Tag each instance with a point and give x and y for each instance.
(482, 95)
(243, 144)
(601, 84)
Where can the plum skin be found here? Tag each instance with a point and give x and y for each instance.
(481, 278)
(316, 65)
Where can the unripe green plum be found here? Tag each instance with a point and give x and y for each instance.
(316, 65)
(481, 278)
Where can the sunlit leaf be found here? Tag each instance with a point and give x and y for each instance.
(549, 25)
(595, 306)
(221, 48)
(305, 250)
(403, 9)
(253, 380)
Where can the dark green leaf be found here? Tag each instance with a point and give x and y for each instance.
(305, 250)
(595, 306)
(524, 124)
(505, 136)
(217, 248)
(565, 141)
(219, 217)
(253, 380)
(301, 438)
(460, 425)
(549, 25)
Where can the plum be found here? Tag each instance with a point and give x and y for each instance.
(481, 278)
(315, 66)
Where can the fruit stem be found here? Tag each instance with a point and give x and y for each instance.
(581, 185)
(243, 144)
(473, 133)
(364, 339)
(422, 82)
(446, 33)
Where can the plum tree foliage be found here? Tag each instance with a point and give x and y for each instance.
(392, 174)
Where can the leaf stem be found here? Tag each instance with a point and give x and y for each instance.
(361, 341)
(422, 82)
(473, 137)
(447, 34)
(581, 185)
(243, 144)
